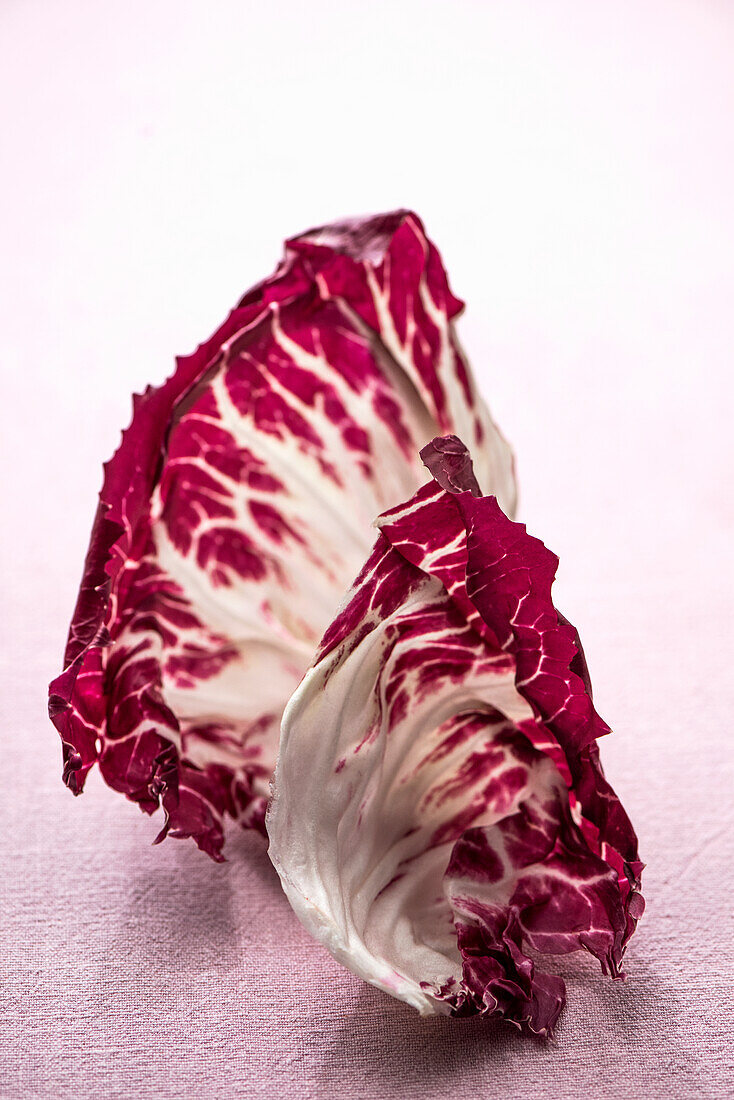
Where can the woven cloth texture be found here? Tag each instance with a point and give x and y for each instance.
(149, 191)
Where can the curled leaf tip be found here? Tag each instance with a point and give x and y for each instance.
(450, 464)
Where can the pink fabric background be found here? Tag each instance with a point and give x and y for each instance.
(575, 164)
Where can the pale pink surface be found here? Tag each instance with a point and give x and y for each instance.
(576, 167)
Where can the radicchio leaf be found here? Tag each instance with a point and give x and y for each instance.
(238, 507)
(439, 815)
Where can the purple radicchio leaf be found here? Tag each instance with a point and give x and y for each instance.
(238, 508)
(440, 817)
